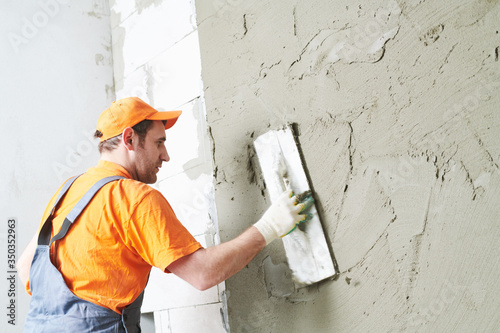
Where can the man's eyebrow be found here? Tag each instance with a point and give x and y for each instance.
(162, 139)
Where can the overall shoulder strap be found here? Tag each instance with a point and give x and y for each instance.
(44, 235)
(75, 212)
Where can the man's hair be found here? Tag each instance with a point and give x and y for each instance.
(112, 143)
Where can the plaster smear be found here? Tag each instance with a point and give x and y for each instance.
(363, 42)
(278, 278)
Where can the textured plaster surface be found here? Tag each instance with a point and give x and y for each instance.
(397, 106)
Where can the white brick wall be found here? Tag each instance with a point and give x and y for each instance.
(182, 320)
(156, 57)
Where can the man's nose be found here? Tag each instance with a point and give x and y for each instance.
(164, 155)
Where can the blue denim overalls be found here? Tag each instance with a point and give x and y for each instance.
(53, 307)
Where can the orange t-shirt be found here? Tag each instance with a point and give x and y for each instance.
(128, 226)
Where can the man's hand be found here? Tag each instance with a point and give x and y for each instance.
(284, 215)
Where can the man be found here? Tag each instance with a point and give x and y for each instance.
(112, 228)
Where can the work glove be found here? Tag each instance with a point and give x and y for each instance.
(284, 215)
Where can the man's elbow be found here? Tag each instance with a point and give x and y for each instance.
(195, 270)
(202, 286)
(205, 282)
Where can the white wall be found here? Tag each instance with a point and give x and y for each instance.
(55, 79)
(62, 64)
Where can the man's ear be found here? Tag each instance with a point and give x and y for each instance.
(128, 138)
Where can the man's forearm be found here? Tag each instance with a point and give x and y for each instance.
(208, 267)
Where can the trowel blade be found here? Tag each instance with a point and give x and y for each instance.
(306, 248)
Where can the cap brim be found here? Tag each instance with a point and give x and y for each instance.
(169, 116)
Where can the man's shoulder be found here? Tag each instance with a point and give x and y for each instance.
(139, 190)
(138, 197)
(126, 190)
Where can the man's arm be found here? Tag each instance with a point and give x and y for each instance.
(24, 263)
(208, 267)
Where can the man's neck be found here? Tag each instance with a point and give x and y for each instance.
(120, 160)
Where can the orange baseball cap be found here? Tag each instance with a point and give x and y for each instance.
(128, 112)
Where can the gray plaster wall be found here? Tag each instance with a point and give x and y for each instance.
(397, 109)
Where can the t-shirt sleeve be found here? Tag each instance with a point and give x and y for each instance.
(156, 233)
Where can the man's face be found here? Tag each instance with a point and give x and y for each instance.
(151, 155)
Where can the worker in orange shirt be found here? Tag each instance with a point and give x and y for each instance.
(90, 275)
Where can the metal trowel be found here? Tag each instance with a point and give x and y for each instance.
(306, 248)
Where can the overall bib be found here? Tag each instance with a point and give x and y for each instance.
(53, 307)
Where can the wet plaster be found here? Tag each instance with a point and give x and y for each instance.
(400, 137)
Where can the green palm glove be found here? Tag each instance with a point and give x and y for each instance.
(284, 215)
